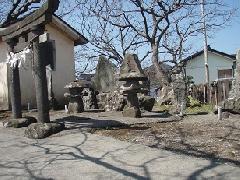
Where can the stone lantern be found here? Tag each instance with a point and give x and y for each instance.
(74, 96)
(131, 73)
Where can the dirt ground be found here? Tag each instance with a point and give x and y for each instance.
(197, 135)
(4, 115)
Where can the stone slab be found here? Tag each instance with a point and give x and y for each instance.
(18, 123)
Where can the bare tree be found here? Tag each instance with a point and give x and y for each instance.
(104, 39)
(159, 26)
(11, 11)
(148, 20)
(4, 9)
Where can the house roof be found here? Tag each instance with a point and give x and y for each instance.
(56, 21)
(78, 38)
(233, 57)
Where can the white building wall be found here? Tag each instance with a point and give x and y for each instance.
(195, 67)
(27, 85)
(65, 65)
(3, 78)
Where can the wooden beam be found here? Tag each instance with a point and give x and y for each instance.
(42, 15)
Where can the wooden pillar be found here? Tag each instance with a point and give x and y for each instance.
(224, 90)
(216, 95)
(219, 113)
(39, 71)
(15, 89)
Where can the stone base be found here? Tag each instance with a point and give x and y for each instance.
(43, 130)
(146, 102)
(75, 107)
(232, 105)
(20, 122)
(131, 112)
(225, 115)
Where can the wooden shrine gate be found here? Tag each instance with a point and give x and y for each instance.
(29, 31)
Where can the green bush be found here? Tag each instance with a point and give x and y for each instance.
(191, 102)
(165, 108)
(204, 108)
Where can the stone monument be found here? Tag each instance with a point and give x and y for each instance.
(104, 80)
(179, 91)
(131, 73)
(232, 104)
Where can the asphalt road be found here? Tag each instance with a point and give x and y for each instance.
(80, 155)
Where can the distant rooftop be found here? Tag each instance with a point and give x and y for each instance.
(231, 56)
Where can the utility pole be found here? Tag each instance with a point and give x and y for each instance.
(205, 50)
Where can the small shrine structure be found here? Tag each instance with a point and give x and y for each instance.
(29, 33)
(17, 33)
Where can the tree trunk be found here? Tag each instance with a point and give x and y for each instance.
(162, 76)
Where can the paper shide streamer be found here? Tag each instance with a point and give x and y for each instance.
(18, 59)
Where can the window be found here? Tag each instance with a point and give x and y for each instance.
(224, 73)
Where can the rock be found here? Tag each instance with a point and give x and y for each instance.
(131, 68)
(90, 99)
(177, 118)
(20, 122)
(43, 130)
(113, 101)
(104, 78)
(76, 85)
(232, 105)
(237, 105)
(76, 106)
(146, 102)
(131, 112)
(229, 104)
(225, 115)
(102, 99)
(166, 96)
(235, 92)
(179, 91)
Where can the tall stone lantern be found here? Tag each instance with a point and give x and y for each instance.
(131, 73)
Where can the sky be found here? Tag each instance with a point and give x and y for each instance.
(228, 39)
(225, 40)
